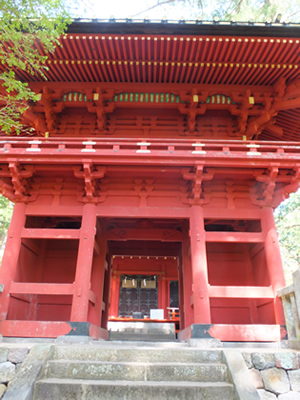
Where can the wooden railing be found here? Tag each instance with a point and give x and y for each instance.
(167, 148)
(290, 296)
(173, 313)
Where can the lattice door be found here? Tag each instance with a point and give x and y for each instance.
(137, 293)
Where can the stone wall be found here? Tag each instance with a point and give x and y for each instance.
(11, 359)
(276, 375)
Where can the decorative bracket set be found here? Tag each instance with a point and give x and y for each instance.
(252, 110)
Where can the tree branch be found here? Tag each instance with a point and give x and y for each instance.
(156, 5)
(292, 226)
(294, 13)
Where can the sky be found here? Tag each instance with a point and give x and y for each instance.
(179, 9)
(104, 9)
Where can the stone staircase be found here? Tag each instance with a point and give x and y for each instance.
(141, 331)
(118, 371)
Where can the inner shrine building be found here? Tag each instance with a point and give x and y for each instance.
(146, 176)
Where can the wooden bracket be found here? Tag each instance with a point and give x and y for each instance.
(288, 96)
(18, 179)
(7, 190)
(89, 173)
(143, 187)
(102, 105)
(192, 106)
(294, 184)
(196, 177)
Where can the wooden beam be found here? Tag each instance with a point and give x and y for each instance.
(140, 212)
(161, 154)
(92, 297)
(150, 87)
(145, 252)
(163, 235)
(248, 292)
(41, 288)
(56, 211)
(38, 233)
(234, 237)
(125, 271)
(243, 214)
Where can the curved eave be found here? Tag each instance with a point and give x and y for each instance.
(147, 27)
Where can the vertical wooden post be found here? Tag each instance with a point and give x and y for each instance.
(273, 259)
(115, 295)
(199, 267)
(82, 284)
(163, 291)
(187, 280)
(160, 301)
(11, 255)
(106, 295)
(98, 282)
(181, 292)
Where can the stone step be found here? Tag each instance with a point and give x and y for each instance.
(133, 371)
(136, 354)
(66, 389)
(144, 331)
(143, 337)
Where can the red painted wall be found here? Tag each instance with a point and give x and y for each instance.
(231, 264)
(44, 261)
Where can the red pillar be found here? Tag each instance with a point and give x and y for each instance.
(273, 259)
(82, 282)
(97, 282)
(11, 255)
(199, 267)
(160, 301)
(181, 294)
(163, 293)
(186, 283)
(106, 296)
(114, 295)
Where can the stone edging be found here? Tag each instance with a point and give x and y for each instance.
(275, 375)
(11, 359)
(240, 376)
(22, 383)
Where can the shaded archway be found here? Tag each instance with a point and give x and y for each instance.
(148, 252)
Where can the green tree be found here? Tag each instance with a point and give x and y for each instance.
(6, 208)
(258, 10)
(29, 29)
(287, 218)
